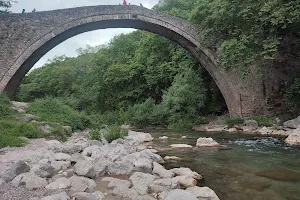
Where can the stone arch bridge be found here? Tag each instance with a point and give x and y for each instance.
(25, 38)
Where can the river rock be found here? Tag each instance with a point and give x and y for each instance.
(182, 171)
(44, 170)
(139, 136)
(85, 168)
(203, 193)
(62, 156)
(60, 165)
(71, 148)
(143, 197)
(165, 184)
(178, 146)
(294, 138)
(180, 195)
(120, 168)
(294, 123)
(125, 192)
(207, 142)
(184, 181)
(161, 171)
(100, 166)
(17, 168)
(30, 181)
(82, 184)
(61, 183)
(85, 196)
(183, 137)
(172, 158)
(114, 183)
(251, 123)
(91, 151)
(141, 182)
(163, 138)
(143, 165)
(76, 157)
(60, 196)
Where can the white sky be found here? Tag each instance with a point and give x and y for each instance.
(92, 38)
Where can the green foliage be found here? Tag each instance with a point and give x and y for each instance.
(232, 121)
(4, 5)
(12, 130)
(109, 133)
(292, 96)
(5, 110)
(264, 121)
(56, 111)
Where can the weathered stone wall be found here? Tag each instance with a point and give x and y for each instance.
(25, 38)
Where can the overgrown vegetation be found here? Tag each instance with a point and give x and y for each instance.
(232, 121)
(292, 97)
(5, 110)
(108, 133)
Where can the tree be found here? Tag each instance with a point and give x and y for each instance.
(4, 5)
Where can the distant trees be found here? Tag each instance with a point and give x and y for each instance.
(4, 5)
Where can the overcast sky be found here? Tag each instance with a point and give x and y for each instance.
(92, 38)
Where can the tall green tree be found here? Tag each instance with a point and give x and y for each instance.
(4, 5)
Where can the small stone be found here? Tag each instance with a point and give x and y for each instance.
(172, 158)
(163, 138)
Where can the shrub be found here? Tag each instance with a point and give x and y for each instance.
(5, 110)
(263, 121)
(109, 133)
(292, 96)
(11, 141)
(56, 111)
(232, 121)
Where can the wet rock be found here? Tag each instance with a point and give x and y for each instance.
(161, 171)
(294, 138)
(203, 193)
(178, 146)
(85, 196)
(141, 182)
(125, 192)
(17, 168)
(30, 181)
(232, 130)
(163, 138)
(184, 181)
(82, 184)
(44, 170)
(294, 123)
(279, 175)
(180, 195)
(62, 157)
(182, 171)
(120, 168)
(61, 183)
(173, 158)
(165, 184)
(60, 196)
(207, 142)
(183, 137)
(84, 168)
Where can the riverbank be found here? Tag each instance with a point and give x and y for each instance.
(50, 170)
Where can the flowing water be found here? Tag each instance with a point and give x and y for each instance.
(252, 168)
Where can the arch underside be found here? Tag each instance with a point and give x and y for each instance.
(33, 53)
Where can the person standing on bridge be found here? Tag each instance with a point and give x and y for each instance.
(124, 2)
(34, 10)
(23, 11)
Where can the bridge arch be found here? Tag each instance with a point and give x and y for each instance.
(27, 37)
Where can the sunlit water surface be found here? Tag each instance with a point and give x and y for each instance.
(253, 168)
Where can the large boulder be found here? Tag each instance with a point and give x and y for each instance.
(207, 142)
(294, 123)
(82, 184)
(85, 168)
(182, 171)
(250, 125)
(44, 170)
(203, 193)
(125, 192)
(294, 138)
(30, 181)
(92, 151)
(180, 195)
(60, 165)
(139, 136)
(141, 182)
(143, 165)
(62, 157)
(61, 183)
(76, 157)
(100, 166)
(17, 168)
(120, 168)
(161, 171)
(60, 196)
(184, 181)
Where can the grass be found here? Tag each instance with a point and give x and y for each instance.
(5, 110)
(232, 121)
(110, 133)
(56, 111)
(264, 121)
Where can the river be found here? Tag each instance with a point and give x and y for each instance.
(254, 168)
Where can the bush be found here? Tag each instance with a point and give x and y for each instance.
(12, 130)
(5, 110)
(56, 111)
(232, 121)
(264, 121)
(109, 133)
(292, 96)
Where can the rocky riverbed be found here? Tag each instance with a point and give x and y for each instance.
(83, 169)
